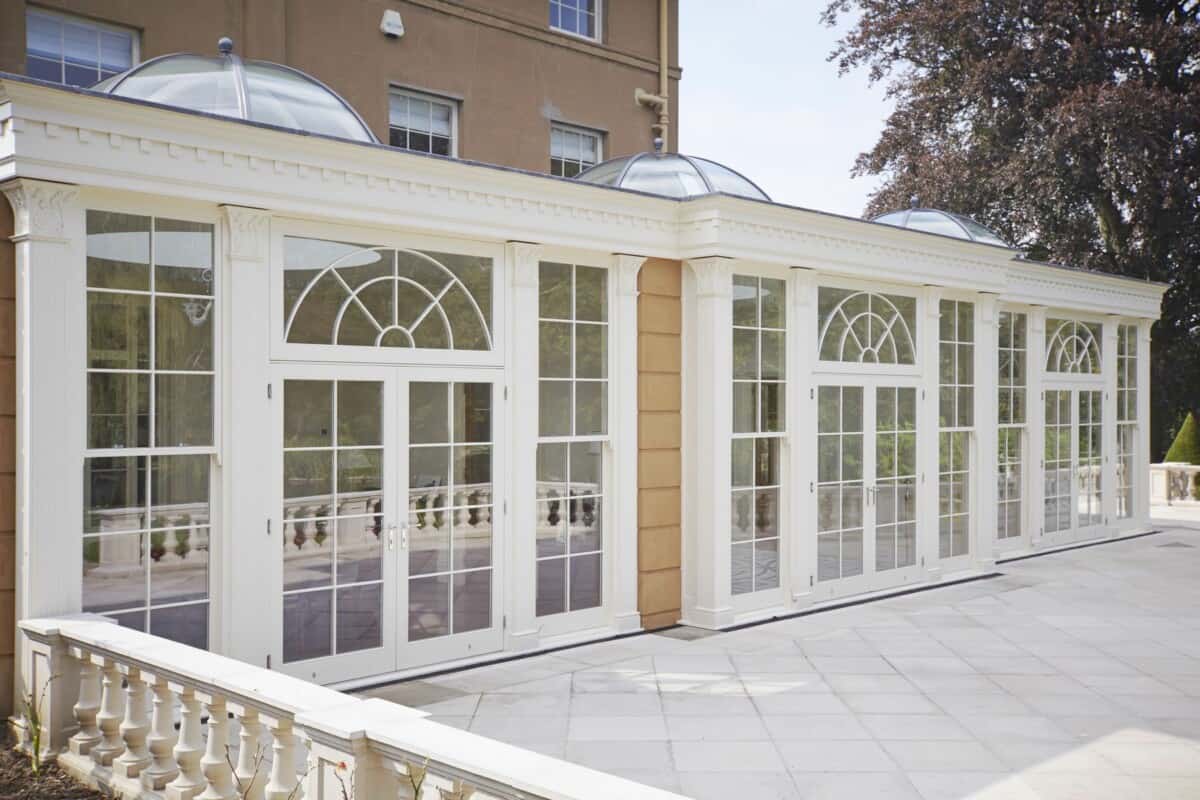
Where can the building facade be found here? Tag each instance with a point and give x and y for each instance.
(353, 413)
(540, 85)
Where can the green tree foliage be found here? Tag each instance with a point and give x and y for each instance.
(1186, 447)
(1071, 128)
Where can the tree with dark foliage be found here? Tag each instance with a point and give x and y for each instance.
(1070, 127)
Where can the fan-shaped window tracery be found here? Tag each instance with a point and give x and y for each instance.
(865, 327)
(1072, 346)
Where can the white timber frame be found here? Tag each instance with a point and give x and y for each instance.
(63, 151)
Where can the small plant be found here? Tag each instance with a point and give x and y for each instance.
(32, 714)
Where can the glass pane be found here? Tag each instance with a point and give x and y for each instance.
(585, 581)
(307, 413)
(472, 412)
(742, 516)
(591, 294)
(428, 413)
(184, 624)
(473, 601)
(118, 331)
(307, 625)
(428, 477)
(114, 494)
(359, 549)
(585, 527)
(766, 565)
(745, 404)
(745, 354)
(773, 303)
(114, 572)
(308, 483)
(359, 480)
(551, 586)
(772, 396)
(742, 473)
(119, 410)
(360, 412)
(554, 408)
(471, 534)
(307, 554)
(429, 542)
(591, 408)
(183, 410)
(359, 618)
(554, 349)
(772, 355)
(745, 301)
(766, 514)
(118, 251)
(586, 468)
(829, 557)
(741, 557)
(428, 607)
(183, 337)
(852, 554)
(554, 290)
(179, 564)
(591, 356)
(183, 257)
(178, 489)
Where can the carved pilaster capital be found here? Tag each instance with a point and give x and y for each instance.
(40, 208)
(522, 258)
(247, 232)
(933, 301)
(988, 307)
(625, 268)
(714, 276)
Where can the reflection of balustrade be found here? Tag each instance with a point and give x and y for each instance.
(243, 731)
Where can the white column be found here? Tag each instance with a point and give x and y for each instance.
(801, 435)
(86, 708)
(161, 741)
(521, 261)
(247, 557)
(134, 728)
(987, 343)
(708, 332)
(49, 243)
(623, 434)
(1141, 457)
(215, 762)
(188, 750)
(1035, 415)
(1108, 429)
(928, 432)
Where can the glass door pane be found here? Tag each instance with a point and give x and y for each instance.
(839, 482)
(1090, 461)
(1058, 459)
(896, 477)
(450, 509)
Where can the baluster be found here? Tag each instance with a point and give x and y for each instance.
(161, 741)
(283, 766)
(250, 777)
(190, 781)
(112, 710)
(215, 763)
(134, 728)
(87, 708)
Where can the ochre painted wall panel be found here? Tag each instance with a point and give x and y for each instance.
(659, 439)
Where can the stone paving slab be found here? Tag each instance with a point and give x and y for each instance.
(1074, 675)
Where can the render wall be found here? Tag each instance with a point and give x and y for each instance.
(659, 437)
(510, 73)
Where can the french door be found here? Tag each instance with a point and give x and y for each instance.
(389, 519)
(866, 487)
(1073, 461)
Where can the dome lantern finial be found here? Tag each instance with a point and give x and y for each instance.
(225, 45)
(658, 145)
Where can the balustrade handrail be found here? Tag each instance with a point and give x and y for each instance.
(95, 674)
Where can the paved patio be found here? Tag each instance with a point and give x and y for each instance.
(1074, 675)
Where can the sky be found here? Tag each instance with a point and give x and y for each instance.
(757, 94)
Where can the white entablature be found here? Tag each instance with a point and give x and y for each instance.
(108, 143)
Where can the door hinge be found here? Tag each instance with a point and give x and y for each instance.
(810, 580)
(268, 526)
(812, 393)
(505, 392)
(268, 391)
(268, 660)
(922, 394)
(504, 622)
(505, 508)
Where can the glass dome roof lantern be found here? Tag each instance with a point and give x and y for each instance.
(671, 175)
(229, 86)
(944, 223)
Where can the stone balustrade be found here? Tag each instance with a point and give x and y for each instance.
(149, 718)
(1172, 482)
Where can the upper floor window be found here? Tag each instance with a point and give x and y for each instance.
(74, 51)
(572, 150)
(578, 17)
(422, 123)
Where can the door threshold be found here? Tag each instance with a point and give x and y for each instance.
(1062, 548)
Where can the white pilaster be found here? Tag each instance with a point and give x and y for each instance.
(49, 241)
(987, 343)
(1108, 428)
(521, 266)
(928, 432)
(1141, 458)
(709, 369)
(623, 433)
(801, 538)
(1035, 415)
(243, 548)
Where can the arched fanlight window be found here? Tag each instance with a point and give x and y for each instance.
(350, 294)
(1072, 347)
(865, 327)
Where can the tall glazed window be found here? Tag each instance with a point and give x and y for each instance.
(1011, 404)
(572, 434)
(956, 413)
(150, 376)
(1127, 389)
(759, 331)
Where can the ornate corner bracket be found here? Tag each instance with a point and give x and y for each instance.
(522, 258)
(714, 276)
(246, 232)
(627, 268)
(40, 208)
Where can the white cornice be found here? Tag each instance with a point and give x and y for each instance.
(100, 142)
